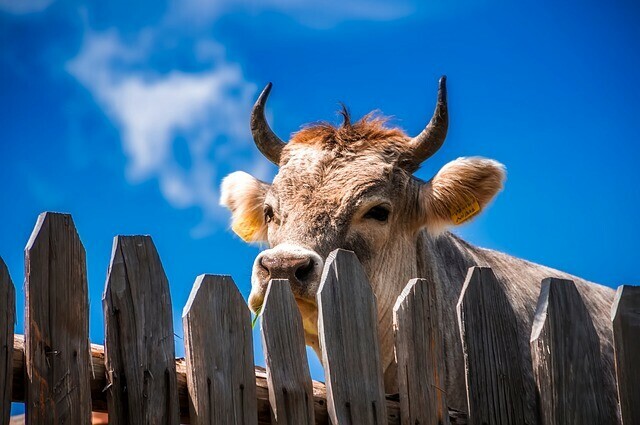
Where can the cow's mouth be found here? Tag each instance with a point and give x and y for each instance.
(256, 300)
(309, 313)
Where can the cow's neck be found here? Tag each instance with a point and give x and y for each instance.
(445, 261)
(442, 259)
(445, 258)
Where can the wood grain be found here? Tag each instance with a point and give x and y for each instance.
(99, 397)
(219, 354)
(625, 318)
(567, 365)
(56, 324)
(494, 376)
(420, 356)
(290, 388)
(7, 322)
(349, 342)
(139, 348)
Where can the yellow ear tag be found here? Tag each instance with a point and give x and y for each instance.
(246, 228)
(461, 214)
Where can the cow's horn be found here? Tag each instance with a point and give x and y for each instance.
(431, 138)
(265, 139)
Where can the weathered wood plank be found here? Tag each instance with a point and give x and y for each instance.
(139, 348)
(420, 356)
(99, 397)
(625, 318)
(57, 323)
(219, 354)
(290, 388)
(349, 342)
(494, 375)
(7, 322)
(567, 365)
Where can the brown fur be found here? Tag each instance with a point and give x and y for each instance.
(370, 133)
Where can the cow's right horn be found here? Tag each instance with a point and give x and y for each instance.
(265, 139)
(432, 137)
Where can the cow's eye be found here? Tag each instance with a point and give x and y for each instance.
(379, 212)
(268, 213)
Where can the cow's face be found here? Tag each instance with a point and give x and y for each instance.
(350, 187)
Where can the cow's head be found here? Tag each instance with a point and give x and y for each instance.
(351, 187)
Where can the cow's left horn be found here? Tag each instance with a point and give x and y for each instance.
(432, 137)
(265, 139)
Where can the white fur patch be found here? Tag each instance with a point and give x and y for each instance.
(244, 195)
(235, 183)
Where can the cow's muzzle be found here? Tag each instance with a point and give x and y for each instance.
(301, 266)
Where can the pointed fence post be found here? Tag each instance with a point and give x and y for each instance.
(348, 328)
(496, 391)
(7, 321)
(290, 387)
(57, 349)
(219, 352)
(567, 365)
(139, 348)
(625, 317)
(419, 352)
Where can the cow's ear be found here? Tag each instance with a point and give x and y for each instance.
(244, 195)
(459, 191)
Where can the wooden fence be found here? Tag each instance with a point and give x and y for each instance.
(62, 377)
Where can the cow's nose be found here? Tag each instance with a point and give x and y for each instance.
(296, 268)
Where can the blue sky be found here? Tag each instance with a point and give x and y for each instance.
(128, 114)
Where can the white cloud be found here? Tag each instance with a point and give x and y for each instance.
(20, 7)
(208, 110)
(312, 13)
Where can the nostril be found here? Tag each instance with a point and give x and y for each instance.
(303, 271)
(268, 263)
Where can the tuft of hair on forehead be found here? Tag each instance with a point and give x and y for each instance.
(369, 132)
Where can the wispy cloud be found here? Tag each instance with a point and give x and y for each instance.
(20, 7)
(206, 111)
(315, 14)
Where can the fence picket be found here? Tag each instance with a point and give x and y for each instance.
(625, 317)
(567, 365)
(7, 321)
(290, 388)
(219, 354)
(56, 324)
(349, 340)
(420, 356)
(139, 348)
(496, 391)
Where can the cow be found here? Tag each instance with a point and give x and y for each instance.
(351, 186)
